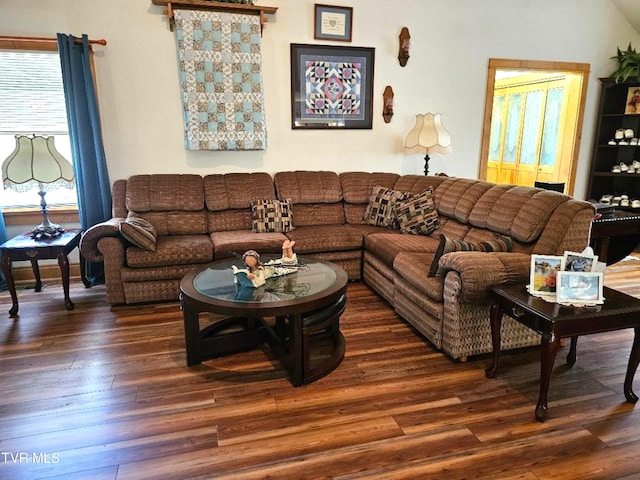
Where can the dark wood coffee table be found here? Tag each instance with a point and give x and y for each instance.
(554, 322)
(299, 302)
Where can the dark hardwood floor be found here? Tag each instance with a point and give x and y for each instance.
(104, 393)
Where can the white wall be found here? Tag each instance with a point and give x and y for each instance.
(452, 41)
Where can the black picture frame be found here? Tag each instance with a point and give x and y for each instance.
(331, 22)
(331, 87)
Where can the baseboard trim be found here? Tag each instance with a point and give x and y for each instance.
(23, 275)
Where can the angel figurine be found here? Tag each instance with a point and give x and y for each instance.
(256, 273)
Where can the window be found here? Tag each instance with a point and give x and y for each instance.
(32, 101)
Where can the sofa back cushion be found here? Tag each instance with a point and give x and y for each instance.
(519, 212)
(419, 183)
(119, 199)
(316, 197)
(456, 197)
(237, 190)
(172, 203)
(228, 198)
(164, 192)
(357, 188)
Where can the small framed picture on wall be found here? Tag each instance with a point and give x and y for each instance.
(332, 23)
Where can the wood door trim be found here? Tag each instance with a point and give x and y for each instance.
(581, 69)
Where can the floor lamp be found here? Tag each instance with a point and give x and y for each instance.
(428, 136)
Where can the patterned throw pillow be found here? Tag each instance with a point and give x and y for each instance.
(379, 211)
(139, 232)
(501, 244)
(272, 216)
(417, 215)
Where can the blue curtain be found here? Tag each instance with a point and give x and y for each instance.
(85, 134)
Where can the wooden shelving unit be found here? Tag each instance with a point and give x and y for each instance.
(612, 116)
(211, 5)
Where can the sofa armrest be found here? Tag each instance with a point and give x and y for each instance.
(90, 238)
(113, 251)
(479, 271)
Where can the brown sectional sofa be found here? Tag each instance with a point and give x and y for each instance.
(200, 219)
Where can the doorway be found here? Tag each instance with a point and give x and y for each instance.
(533, 122)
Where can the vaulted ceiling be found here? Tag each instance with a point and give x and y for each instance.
(631, 10)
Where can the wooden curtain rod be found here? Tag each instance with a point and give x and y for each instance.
(101, 41)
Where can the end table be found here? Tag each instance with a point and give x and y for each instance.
(23, 247)
(554, 322)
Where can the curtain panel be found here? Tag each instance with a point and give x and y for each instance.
(85, 134)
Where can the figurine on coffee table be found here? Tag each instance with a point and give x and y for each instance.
(256, 273)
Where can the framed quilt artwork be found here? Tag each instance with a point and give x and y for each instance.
(331, 87)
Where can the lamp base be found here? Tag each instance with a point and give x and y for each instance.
(44, 232)
(426, 164)
(46, 229)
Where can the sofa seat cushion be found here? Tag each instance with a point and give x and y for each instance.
(386, 246)
(413, 269)
(326, 238)
(172, 250)
(365, 229)
(226, 244)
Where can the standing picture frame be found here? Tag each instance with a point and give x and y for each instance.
(580, 288)
(331, 22)
(578, 262)
(632, 106)
(543, 274)
(331, 87)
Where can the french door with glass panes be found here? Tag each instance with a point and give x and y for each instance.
(526, 133)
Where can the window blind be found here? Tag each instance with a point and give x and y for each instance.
(31, 93)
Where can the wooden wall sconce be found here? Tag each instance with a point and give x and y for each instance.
(405, 46)
(387, 109)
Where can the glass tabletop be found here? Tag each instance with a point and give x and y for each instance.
(311, 277)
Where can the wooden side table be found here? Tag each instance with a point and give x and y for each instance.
(25, 248)
(555, 322)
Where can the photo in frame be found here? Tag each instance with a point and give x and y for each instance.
(633, 101)
(331, 22)
(580, 288)
(543, 276)
(578, 262)
(331, 86)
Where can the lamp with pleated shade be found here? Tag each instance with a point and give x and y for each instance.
(35, 162)
(428, 136)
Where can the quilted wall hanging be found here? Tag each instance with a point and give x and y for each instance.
(220, 66)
